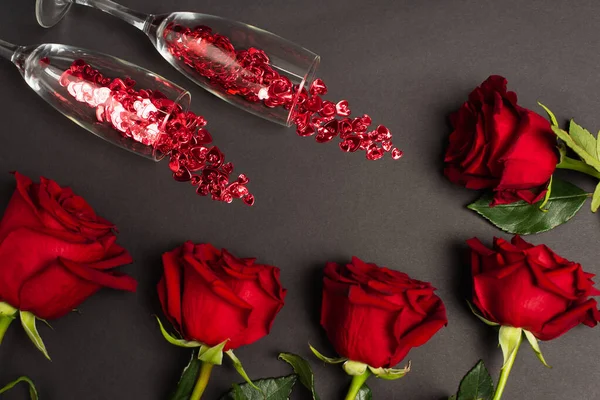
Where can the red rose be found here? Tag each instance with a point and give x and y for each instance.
(530, 287)
(375, 315)
(211, 296)
(55, 251)
(498, 144)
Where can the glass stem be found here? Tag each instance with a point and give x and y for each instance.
(202, 382)
(132, 17)
(7, 49)
(357, 382)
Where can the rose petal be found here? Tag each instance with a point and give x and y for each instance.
(205, 298)
(55, 291)
(113, 280)
(25, 253)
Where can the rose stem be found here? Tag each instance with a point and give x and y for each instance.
(202, 382)
(5, 321)
(504, 374)
(576, 165)
(357, 382)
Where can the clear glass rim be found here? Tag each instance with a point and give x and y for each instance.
(184, 100)
(306, 80)
(39, 12)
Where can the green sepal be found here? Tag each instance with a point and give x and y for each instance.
(510, 339)
(5, 321)
(175, 341)
(6, 310)
(547, 196)
(237, 364)
(562, 152)
(551, 115)
(46, 323)
(7, 316)
(486, 321)
(28, 322)
(536, 347)
(33, 394)
(327, 359)
(303, 370)
(355, 368)
(390, 374)
(212, 355)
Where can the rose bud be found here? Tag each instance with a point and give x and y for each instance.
(498, 144)
(373, 316)
(55, 252)
(529, 291)
(217, 302)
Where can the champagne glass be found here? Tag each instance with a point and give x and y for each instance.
(91, 104)
(266, 78)
(130, 107)
(248, 67)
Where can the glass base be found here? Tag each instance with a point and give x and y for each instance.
(49, 12)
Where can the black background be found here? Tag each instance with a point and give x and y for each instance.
(406, 63)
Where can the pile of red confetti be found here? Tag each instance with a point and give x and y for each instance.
(150, 118)
(248, 73)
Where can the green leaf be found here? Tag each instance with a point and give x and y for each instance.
(32, 390)
(584, 139)
(237, 364)
(596, 198)
(236, 392)
(524, 219)
(327, 359)
(364, 393)
(273, 389)
(535, 346)
(390, 374)
(510, 339)
(476, 385)
(212, 355)
(452, 397)
(175, 341)
(28, 322)
(186, 383)
(303, 370)
(486, 321)
(589, 159)
(551, 115)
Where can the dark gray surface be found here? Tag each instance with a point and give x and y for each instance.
(408, 64)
